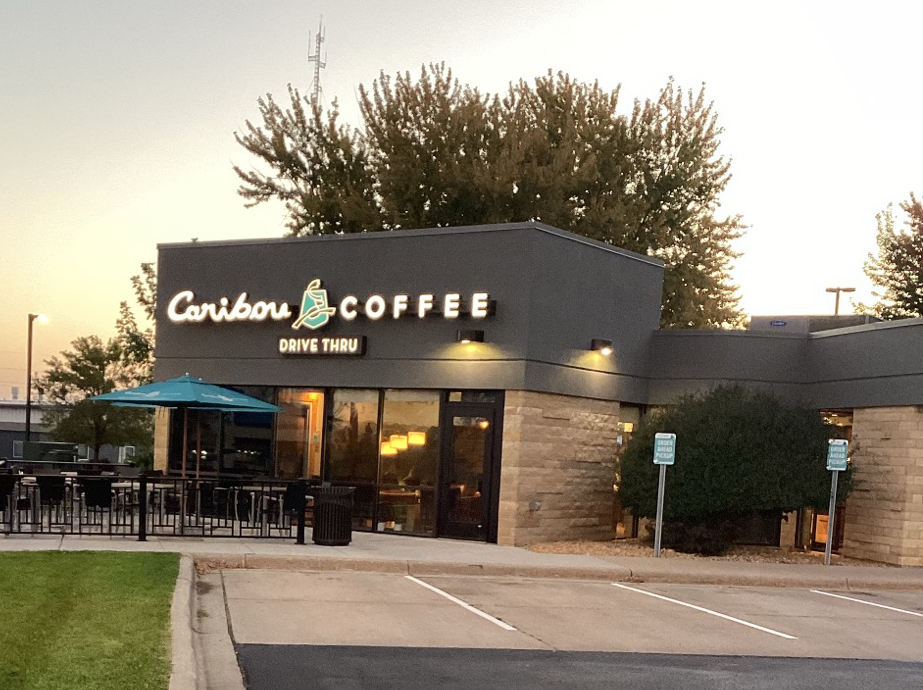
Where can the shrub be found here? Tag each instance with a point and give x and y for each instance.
(737, 451)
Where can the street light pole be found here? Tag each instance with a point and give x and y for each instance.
(838, 290)
(32, 317)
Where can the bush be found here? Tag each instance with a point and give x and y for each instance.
(711, 535)
(737, 451)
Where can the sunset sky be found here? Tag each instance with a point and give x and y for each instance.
(118, 118)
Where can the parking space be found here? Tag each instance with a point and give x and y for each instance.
(375, 609)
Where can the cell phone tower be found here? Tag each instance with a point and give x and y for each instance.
(318, 63)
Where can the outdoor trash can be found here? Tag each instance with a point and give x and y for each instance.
(333, 515)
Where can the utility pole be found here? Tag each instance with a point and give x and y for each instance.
(838, 290)
(318, 63)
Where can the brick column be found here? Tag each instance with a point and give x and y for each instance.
(558, 465)
(884, 513)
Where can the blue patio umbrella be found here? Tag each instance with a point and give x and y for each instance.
(187, 393)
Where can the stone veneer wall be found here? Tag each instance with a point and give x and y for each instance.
(161, 438)
(557, 468)
(884, 513)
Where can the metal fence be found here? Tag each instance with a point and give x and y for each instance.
(143, 506)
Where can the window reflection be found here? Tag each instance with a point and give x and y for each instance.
(247, 437)
(409, 461)
(201, 442)
(298, 433)
(353, 449)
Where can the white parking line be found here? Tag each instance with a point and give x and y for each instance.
(704, 610)
(463, 604)
(869, 603)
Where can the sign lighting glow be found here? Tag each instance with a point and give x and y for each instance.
(315, 310)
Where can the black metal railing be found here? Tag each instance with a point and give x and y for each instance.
(142, 506)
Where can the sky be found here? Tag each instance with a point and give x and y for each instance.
(117, 122)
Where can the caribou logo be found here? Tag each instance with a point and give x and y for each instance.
(315, 311)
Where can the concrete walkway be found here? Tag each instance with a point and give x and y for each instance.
(419, 556)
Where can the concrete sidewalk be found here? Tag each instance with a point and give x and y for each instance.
(419, 556)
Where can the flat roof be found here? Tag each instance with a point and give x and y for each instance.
(424, 232)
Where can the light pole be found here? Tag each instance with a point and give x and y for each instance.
(41, 319)
(838, 290)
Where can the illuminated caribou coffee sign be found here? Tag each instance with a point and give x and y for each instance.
(316, 311)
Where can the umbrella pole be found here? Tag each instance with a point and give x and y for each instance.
(182, 492)
(198, 443)
(185, 437)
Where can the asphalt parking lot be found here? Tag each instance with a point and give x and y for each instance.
(297, 618)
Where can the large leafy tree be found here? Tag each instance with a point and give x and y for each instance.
(898, 267)
(432, 152)
(737, 451)
(137, 341)
(91, 367)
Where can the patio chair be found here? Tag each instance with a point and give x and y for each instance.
(7, 482)
(97, 493)
(51, 489)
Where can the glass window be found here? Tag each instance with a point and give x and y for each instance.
(298, 433)
(353, 449)
(409, 464)
(246, 447)
(473, 396)
(202, 432)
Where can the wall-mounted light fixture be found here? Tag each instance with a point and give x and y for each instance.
(416, 438)
(603, 347)
(398, 441)
(466, 337)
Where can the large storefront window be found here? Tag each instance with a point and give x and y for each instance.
(353, 449)
(223, 443)
(246, 448)
(202, 428)
(409, 465)
(299, 429)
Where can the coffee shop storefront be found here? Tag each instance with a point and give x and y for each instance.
(478, 382)
(462, 380)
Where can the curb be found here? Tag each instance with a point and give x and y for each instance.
(612, 574)
(184, 674)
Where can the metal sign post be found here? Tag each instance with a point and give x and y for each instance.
(664, 454)
(837, 452)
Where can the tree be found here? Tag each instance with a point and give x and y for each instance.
(736, 451)
(898, 268)
(137, 344)
(91, 368)
(434, 153)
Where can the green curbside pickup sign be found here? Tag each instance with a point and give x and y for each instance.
(664, 449)
(837, 450)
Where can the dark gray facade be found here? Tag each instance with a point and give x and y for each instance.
(874, 365)
(554, 292)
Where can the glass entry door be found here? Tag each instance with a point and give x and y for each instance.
(467, 484)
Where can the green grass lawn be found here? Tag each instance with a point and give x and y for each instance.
(92, 620)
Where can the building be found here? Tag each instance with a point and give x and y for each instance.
(13, 426)
(476, 382)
